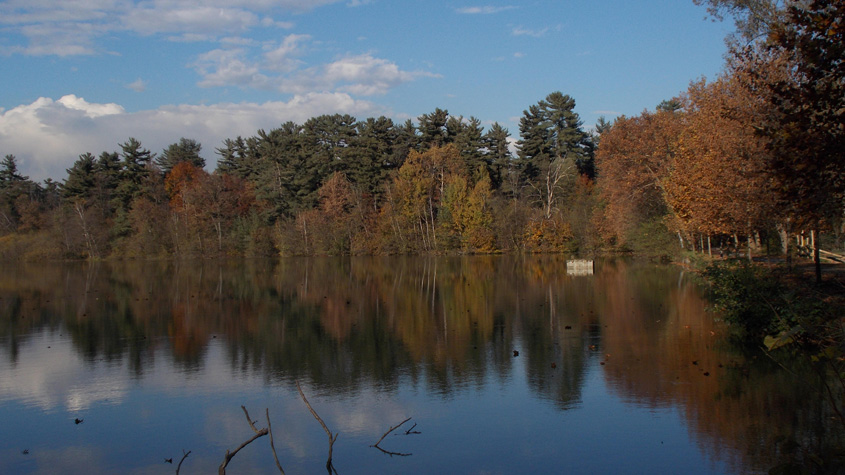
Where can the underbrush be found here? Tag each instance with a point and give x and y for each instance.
(774, 305)
(798, 324)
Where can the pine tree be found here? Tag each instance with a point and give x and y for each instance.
(498, 154)
(186, 150)
(81, 178)
(9, 171)
(553, 142)
(433, 128)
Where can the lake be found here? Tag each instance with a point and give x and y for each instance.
(504, 364)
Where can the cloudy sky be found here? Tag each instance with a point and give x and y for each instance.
(85, 75)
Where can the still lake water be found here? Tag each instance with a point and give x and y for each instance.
(622, 371)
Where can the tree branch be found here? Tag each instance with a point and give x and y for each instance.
(332, 437)
(184, 456)
(249, 421)
(389, 431)
(272, 446)
(376, 445)
(229, 455)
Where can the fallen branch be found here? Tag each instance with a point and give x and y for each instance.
(412, 431)
(398, 454)
(184, 456)
(230, 455)
(376, 445)
(332, 438)
(270, 429)
(389, 431)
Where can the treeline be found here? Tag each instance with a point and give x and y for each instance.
(751, 158)
(333, 185)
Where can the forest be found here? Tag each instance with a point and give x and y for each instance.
(751, 158)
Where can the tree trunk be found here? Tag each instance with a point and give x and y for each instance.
(784, 244)
(816, 260)
(219, 227)
(431, 212)
(748, 241)
(305, 234)
(86, 232)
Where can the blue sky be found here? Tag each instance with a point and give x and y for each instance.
(85, 75)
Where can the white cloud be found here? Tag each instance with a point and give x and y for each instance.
(190, 38)
(73, 27)
(268, 22)
(193, 19)
(362, 75)
(63, 39)
(281, 58)
(228, 67)
(484, 10)
(279, 69)
(522, 31)
(139, 85)
(90, 110)
(237, 41)
(366, 75)
(513, 145)
(47, 136)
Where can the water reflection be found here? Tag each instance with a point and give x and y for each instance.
(387, 334)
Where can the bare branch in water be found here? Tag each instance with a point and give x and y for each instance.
(332, 437)
(400, 454)
(272, 446)
(229, 455)
(184, 456)
(389, 431)
(249, 420)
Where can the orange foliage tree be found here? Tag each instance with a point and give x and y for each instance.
(717, 182)
(633, 161)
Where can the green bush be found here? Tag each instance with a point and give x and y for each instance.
(653, 239)
(747, 296)
(758, 302)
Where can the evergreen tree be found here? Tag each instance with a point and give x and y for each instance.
(535, 144)
(569, 138)
(235, 158)
(81, 178)
(186, 150)
(552, 141)
(327, 139)
(9, 172)
(498, 155)
(433, 128)
(406, 140)
(602, 126)
(370, 157)
(10, 188)
(467, 136)
(136, 163)
(669, 105)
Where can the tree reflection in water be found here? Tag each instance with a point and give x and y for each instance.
(442, 326)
